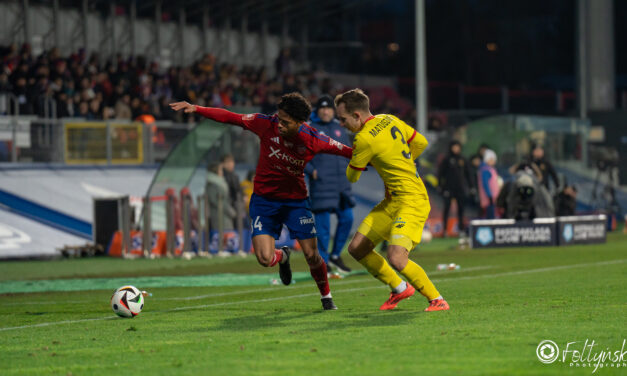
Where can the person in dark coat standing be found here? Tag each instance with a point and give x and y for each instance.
(454, 182)
(232, 180)
(546, 168)
(329, 190)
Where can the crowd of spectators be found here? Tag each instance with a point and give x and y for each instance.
(92, 87)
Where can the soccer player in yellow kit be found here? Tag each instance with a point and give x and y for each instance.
(390, 146)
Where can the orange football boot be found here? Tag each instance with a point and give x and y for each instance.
(437, 305)
(394, 299)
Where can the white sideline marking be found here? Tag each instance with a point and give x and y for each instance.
(57, 323)
(528, 271)
(258, 290)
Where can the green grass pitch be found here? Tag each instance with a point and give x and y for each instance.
(503, 303)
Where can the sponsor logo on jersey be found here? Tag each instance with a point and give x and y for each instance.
(285, 157)
(306, 220)
(399, 223)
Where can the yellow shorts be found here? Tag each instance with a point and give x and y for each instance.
(399, 221)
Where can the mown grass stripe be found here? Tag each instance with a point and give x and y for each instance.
(481, 276)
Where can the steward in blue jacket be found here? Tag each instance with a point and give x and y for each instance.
(329, 190)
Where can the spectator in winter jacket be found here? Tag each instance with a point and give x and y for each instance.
(546, 168)
(218, 195)
(487, 178)
(329, 190)
(454, 183)
(235, 190)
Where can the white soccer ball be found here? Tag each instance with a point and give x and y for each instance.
(426, 236)
(127, 301)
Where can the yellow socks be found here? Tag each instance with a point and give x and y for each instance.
(418, 278)
(381, 270)
(415, 275)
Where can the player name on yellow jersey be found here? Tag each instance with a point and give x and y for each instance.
(391, 146)
(378, 127)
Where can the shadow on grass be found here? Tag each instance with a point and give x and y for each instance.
(318, 320)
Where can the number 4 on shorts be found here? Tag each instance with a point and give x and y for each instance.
(257, 224)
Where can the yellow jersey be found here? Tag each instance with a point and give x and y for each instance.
(391, 146)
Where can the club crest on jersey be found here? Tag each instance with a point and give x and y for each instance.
(338, 133)
(275, 140)
(301, 149)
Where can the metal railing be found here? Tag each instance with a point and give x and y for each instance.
(30, 139)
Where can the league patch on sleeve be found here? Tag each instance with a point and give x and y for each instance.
(338, 145)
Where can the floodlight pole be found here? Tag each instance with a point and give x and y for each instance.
(421, 68)
(581, 62)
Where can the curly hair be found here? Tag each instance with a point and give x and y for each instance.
(296, 106)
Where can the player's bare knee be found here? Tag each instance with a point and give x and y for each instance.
(397, 260)
(313, 259)
(263, 259)
(353, 249)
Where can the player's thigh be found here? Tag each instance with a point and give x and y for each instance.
(264, 247)
(409, 221)
(376, 225)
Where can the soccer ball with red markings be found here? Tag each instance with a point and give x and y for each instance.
(127, 301)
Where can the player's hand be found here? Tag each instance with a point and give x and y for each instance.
(314, 174)
(186, 107)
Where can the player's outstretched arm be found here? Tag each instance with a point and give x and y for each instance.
(337, 148)
(218, 114)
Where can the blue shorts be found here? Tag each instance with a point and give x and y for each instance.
(267, 217)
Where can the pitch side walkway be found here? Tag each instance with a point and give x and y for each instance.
(213, 280)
